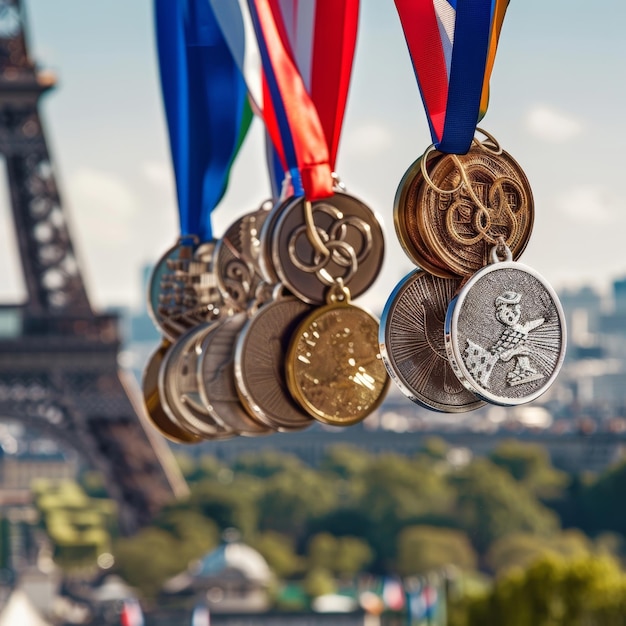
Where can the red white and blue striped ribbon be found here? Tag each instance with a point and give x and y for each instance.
(452, 44)
(296, 59)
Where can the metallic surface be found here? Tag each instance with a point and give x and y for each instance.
(216, 376)
(237, 253)
(334, 369)
(412, 343)
(160, 419)
(182, 291)
(178, 387)
(260, 364)
(405, 219)
(492, 199)
(350, 230)
(505, 334)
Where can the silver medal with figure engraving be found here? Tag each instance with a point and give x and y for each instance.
(178, 387)
(182, 291)
(505, 334)
(237, 257)
(216, 377)
(316, 244)
(412, 343)
(260, 364)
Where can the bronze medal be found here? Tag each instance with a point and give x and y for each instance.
(346, 244)
(412, 343)
(260, 364)
(405, 218)
(469, 202)
(160, 418)
(216, 377)
(334, 368)
(237, 258)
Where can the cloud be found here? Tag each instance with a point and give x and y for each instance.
(368, 140)
(159, 173)
(591, 204)
(552, 125)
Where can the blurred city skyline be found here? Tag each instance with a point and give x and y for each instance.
(556, 107)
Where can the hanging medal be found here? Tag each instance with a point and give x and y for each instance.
(321, 244)
(462, 199)
(207, 117)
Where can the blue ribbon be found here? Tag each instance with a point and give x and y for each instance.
(204, 96)
(467, 72)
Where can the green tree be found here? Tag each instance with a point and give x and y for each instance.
(342, 556)
(555, 591)
(491, 504)
(319, 582)
(422, 549)
(278, 550)
(345, 461)
(267, 463)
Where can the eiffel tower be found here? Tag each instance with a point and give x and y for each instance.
(58, 359)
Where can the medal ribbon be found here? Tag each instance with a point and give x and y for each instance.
(452, 44)
(205, 105)
(304, 124)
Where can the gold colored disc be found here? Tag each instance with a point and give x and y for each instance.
(334, 368)
(406, 221)
(469, 203)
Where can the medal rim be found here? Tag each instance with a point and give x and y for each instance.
(292, 383)
(394, 373)
(408, 241)
(451, 336)
(158, 416)
(243, 390)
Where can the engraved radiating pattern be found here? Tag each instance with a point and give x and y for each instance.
(413, 336)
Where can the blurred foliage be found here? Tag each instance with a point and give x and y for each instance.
(422, 549)
(554, 591)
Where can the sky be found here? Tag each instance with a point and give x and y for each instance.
(558, 98)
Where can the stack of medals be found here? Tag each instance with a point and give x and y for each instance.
(470, 325)
(259, 332)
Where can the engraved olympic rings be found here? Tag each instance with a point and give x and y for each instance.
(503, 195)
(331, 246)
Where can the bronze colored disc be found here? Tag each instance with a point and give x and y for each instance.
(153, 403)
(412, 343)
(334, 368)
(260, 365)
(178, 387)
(216, 376)
(405, 219)
(352, 235)
(461, 228)
(237, 258)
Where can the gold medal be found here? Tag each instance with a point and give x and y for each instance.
(468, 202)
(334, 368)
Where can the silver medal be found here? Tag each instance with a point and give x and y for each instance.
(505, 333)
(412, 343)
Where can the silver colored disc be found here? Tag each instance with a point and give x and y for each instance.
(260, 364)
(216, 377)
(182, 291)
(237, 257)
(505, 334)
(412, 343)
(265, 255)
(178, 388)
(352, 235)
